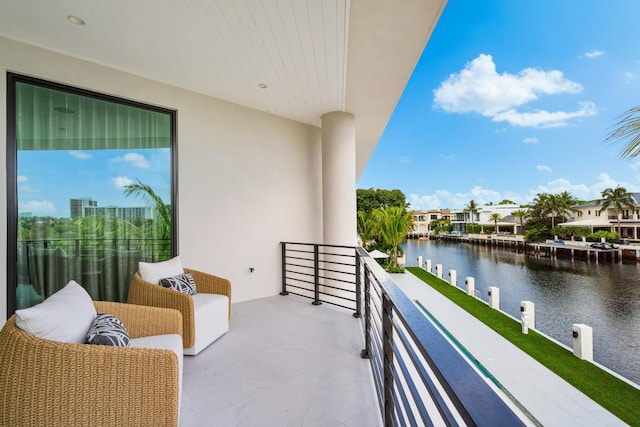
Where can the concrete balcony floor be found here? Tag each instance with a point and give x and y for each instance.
(284, 362)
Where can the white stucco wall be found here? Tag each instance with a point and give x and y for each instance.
(247, 179)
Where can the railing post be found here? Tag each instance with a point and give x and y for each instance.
(366, 352)
(387, 349)
(358, 287)
(316, 275)
(283, 247)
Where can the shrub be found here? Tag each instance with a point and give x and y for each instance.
(609, 236)
(568, 232)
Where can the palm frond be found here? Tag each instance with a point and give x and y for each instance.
(627, 127)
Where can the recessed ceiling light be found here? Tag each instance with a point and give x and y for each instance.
(75, 20)
(262, 85)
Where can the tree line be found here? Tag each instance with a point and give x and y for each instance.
(384, 219)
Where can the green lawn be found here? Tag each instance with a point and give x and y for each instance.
(617, 396)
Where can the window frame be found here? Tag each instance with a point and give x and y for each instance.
(12, 166)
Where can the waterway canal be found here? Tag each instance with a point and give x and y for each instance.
(605, 296)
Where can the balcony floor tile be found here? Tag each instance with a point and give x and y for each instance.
(284, 362)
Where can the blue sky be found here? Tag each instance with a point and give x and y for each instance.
(46, 177)
(511, 99)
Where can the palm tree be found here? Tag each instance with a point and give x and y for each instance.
(495, 217)
(521, 214)
(564, 204)
(545, 205)
(162, 223)
(367, 228)
(618, 198)
(627, 127)
(395, 223)
(472, 208)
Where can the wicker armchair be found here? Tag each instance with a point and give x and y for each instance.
(52, 383)
(146, 293)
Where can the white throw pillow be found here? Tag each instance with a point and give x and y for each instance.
(65, 316)
(154, 271)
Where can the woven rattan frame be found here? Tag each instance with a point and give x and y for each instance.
(145, 293)
(49, 383)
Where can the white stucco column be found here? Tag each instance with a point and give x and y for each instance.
(339, 179)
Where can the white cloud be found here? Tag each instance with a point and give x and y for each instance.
(629, 75)
(25, 188)
(446, 199)
(122, 181)
(530, 141)
(80, 154)
(594, 53)
(480, 88)
(441, 199)
(38, 207)
(582, 191)
(137, 160)
(405, 159)
(545, 119)
(544, 168)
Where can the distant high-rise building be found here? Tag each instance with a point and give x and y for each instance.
(77, 206)
(86, 206)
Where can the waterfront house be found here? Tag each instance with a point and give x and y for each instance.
(590, 215)
(461, 217)
(422, 220)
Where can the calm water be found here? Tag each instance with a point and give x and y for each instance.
(605, 296)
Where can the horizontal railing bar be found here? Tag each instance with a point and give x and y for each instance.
(348, 273)
(426, 378)
(300, 295)
(297, 257)
(337, 296)
(439, 402)
(338, 305)
(299, 287)
(320, 245)
(299, 280)
(336, 255)
(333, 279)
(300, 273)
(399, 391)
(299, 265)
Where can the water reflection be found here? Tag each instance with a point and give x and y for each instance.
(605, 296)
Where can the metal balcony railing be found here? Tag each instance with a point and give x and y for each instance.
(420, 377)
(323, 273)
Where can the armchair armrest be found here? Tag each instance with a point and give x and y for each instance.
(142, 321)
(52, 383)
(142, 292)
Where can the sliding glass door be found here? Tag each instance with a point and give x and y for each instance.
(91, 190)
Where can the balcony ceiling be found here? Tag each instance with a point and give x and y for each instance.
(314, 56)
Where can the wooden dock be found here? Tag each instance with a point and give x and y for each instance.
(549, 249)
(558, 250)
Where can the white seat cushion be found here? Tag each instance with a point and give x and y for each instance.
(171, 342)
(211, 317)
